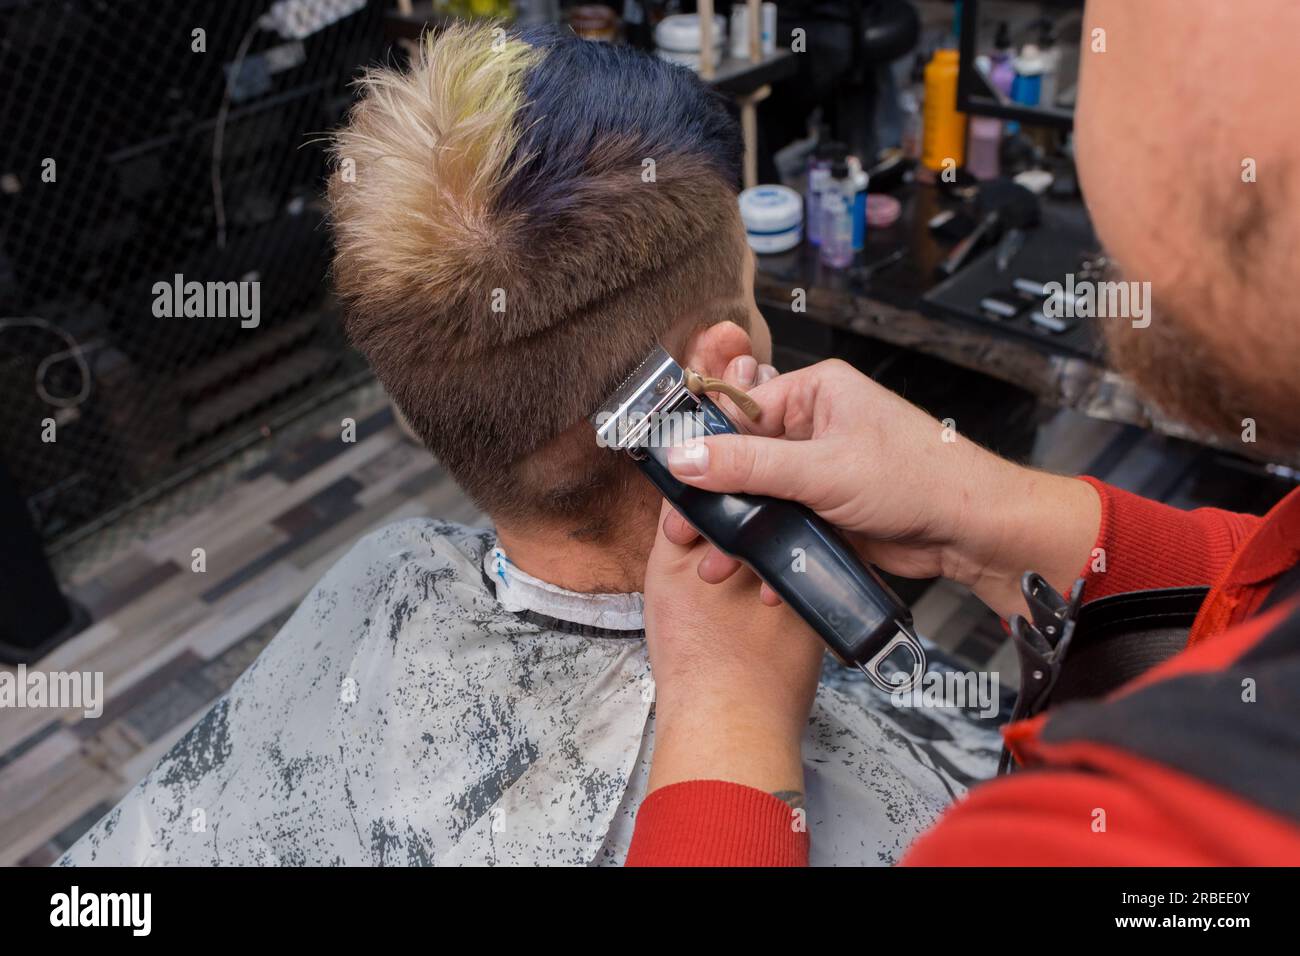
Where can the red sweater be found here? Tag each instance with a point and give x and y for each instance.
(1165, 801)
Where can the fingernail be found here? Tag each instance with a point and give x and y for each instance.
(744, 367)
(766, 373)
(688, 460)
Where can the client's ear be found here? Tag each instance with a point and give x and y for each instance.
(711, 350)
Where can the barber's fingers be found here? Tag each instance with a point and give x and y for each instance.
(745, 372)
(676, 528)
(742, 372)
(788, 403)
(716, 567)
(669, 548)
(749, 464)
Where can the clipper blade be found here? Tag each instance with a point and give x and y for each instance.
(646, 388)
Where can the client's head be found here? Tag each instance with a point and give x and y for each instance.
(518, 219)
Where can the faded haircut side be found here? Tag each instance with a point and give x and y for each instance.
(506, 254)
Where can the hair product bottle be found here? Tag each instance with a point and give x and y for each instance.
(1003, 73)
(944, 126)
(910, 99)
(837, 217)
(1029, 76)
(985, 147)
(819, 180)
(1051, 59)
(858, 180)
(819, 174)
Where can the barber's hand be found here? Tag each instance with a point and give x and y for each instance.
(916, 497)
(734, 680)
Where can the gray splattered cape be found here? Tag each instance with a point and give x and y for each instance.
(430, 704)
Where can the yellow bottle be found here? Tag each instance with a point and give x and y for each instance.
(943, 128)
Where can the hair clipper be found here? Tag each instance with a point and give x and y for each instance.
(800, 556)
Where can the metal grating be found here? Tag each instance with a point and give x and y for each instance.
(128, 157)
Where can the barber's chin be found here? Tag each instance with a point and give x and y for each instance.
(1187, 379)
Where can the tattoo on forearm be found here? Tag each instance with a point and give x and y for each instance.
(791, 798)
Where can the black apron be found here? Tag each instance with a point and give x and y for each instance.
(1072, 651)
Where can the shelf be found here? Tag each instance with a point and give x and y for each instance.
(737, 76)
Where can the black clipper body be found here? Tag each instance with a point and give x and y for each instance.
(800, 556)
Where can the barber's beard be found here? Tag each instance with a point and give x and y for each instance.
(1190, 378)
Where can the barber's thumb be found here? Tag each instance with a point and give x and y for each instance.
(740, 463)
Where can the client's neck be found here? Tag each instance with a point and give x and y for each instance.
(568, 559)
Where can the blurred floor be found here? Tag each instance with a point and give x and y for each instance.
(170, 640)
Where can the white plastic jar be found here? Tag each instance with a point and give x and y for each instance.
(773, 217)
(677, 39)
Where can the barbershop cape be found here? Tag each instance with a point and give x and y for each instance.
(430, 704)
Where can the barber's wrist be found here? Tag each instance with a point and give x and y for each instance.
(1025, 520)
(743, 745)
(734, 715)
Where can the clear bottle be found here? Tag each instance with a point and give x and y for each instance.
(837, 217)
(1050, 55)
(819, 179)
(910, 102)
